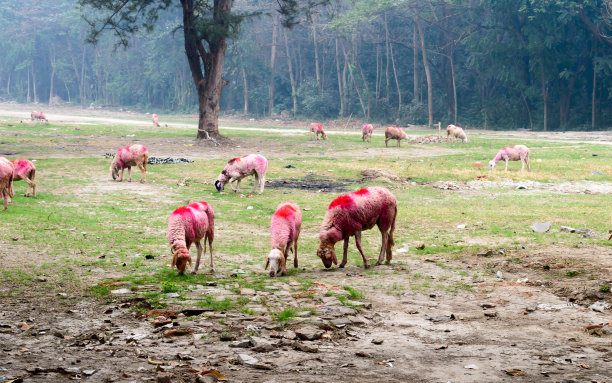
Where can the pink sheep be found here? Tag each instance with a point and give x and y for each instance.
(155, 120)
(352, 213)
(38, 115)
(132, 155)
(6, 180)
(187, 225)
(512, 153)
(366, 132)
(456, 132)
(25, 170)
(317, 129)
(240, 167)
(285, 230)
(394, 133)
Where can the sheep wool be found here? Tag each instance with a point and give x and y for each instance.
(285, 227)
(512, 153)
(240, 167)
(190, 224)
(366, 132)
(6, 180)
(317, 129)
(25, 170)
(132, 155)
(352, 213)
(456, 132)
(394, 133)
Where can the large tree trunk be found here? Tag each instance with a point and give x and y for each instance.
(209, 84)
(272, 64)
(427, 72)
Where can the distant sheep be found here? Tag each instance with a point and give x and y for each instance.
(394, 133)
(38, 115)
(187, 225)
(512, 153)
(285, 230)
(25, 170)
(6, 180)
(317, 129)
(352, 213)
(132, 155)
(155, 120)
(456, 132)
(366, 132)
(240, 167)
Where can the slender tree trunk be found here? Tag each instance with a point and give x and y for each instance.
(397, 84)
(8, 84)
(528, 109)
(427, 72)
(363, 78)
(352, 76)
(52, 61)
(387, 45)
(245, 91)
(415, 63)
(340, 87)
(452, 67)
(316, 52)
(272, 64)
(291, 77)
(34, 85)
(28, 98)
(593, 98)
(67, 92)
(378, 73)
(544, 93)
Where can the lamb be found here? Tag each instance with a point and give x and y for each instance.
(132, 155)
(240, 167)
(38, 115)
(285, 230)
(6, 180)
(366, 132)
(352, 213)
(394, 133)
(512, 153)
(187, 225)
(456, 132)
(317, 129)
(155, 120)
(25, 170)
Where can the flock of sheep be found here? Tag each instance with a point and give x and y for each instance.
(346, 216)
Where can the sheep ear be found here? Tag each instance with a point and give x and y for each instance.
(267, 263)
(174, 258)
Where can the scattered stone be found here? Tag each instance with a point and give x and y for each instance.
(121, 291)
(163, 377)
(305, 347)
(486, 306)
(441, 347)
(462, 226)
(471, 367)
(377, 341)
(195, 311)
(177, 332)
(363, 354)
(245, 343)
(246, 291)
(247, 360)
(261, 344)
(161, 321)
(309, 333)
(419, 245)
(340, 322)
(541, 227)
(41, 278)
(490, 314)
(24, 326)
(600, 306)
(514, 372)
(441, 318)
(89, 372)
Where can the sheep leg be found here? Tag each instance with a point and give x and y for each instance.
(144, 173)
(121, 177)
(386, 142)
(255, 183)
(6, 198)
(31, 185)
(295, 256)
(366, 264)
(527, 160)
(129, 174)
(383, 248)
(197, 265)
(398, 142)
(344, 253)
(506, 165)
(262, 182)
(212, 261)
(286, 255)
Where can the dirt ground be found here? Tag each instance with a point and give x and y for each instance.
(511, 326)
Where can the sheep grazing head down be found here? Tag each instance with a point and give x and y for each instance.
(276, 262)
(221, 180)
(114, 170)
(180, 258)
(492, 164)
(327, 255)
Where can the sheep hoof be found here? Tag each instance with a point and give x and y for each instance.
(194, 272)
(341, 266)
(367, 265)
(212, 270)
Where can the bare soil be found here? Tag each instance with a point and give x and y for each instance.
(530, 324)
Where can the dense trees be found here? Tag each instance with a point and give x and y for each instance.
(541, 64)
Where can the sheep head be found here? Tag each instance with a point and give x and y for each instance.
(114, 170)
(276, 262)
(327, 255)
(180, 258)
(492, 164)
(323, 135)
(221, 180)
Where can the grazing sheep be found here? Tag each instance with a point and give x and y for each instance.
(285, 230)
(38, 115)
(132, 155)
(456, 132)
(352, 213)
(366, 132)
(25, 170)
(155, 120)
(512, 153)
(187, 225)
(394, 133)
(317, 129)
(240, 167)
(6, 180)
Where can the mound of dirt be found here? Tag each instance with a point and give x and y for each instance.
(430, 139)
(380, 174)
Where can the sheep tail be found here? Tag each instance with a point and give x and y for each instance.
(146, 160)
(32, 174)
(390, 241)
(11, 192)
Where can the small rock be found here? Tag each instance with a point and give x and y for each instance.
(161, 321)
(247, 292)
(541, 227)
(247, 360)
(600, 306)
(309, 333)
(261, 344)
(305, 347)
(89, 372)
(245, 343)
(471, 367)
(377, 341)
(514, 372)
(363, 354)
(487, 305)
(24, 326)
(41, 278)
(490, 314)
(121, 291)
(163, 377)
(419, 245)
(462, 226)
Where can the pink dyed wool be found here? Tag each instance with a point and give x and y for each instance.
(240, 167)
(6, 180)
(317, 130)
(285, 229)
(25, 170)
(132, 155)
(155, 120)
(394, 133)
(366, 132)
(190, 224)
(37, 115)
(456, 132)
(353, 213)
(512, 153)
